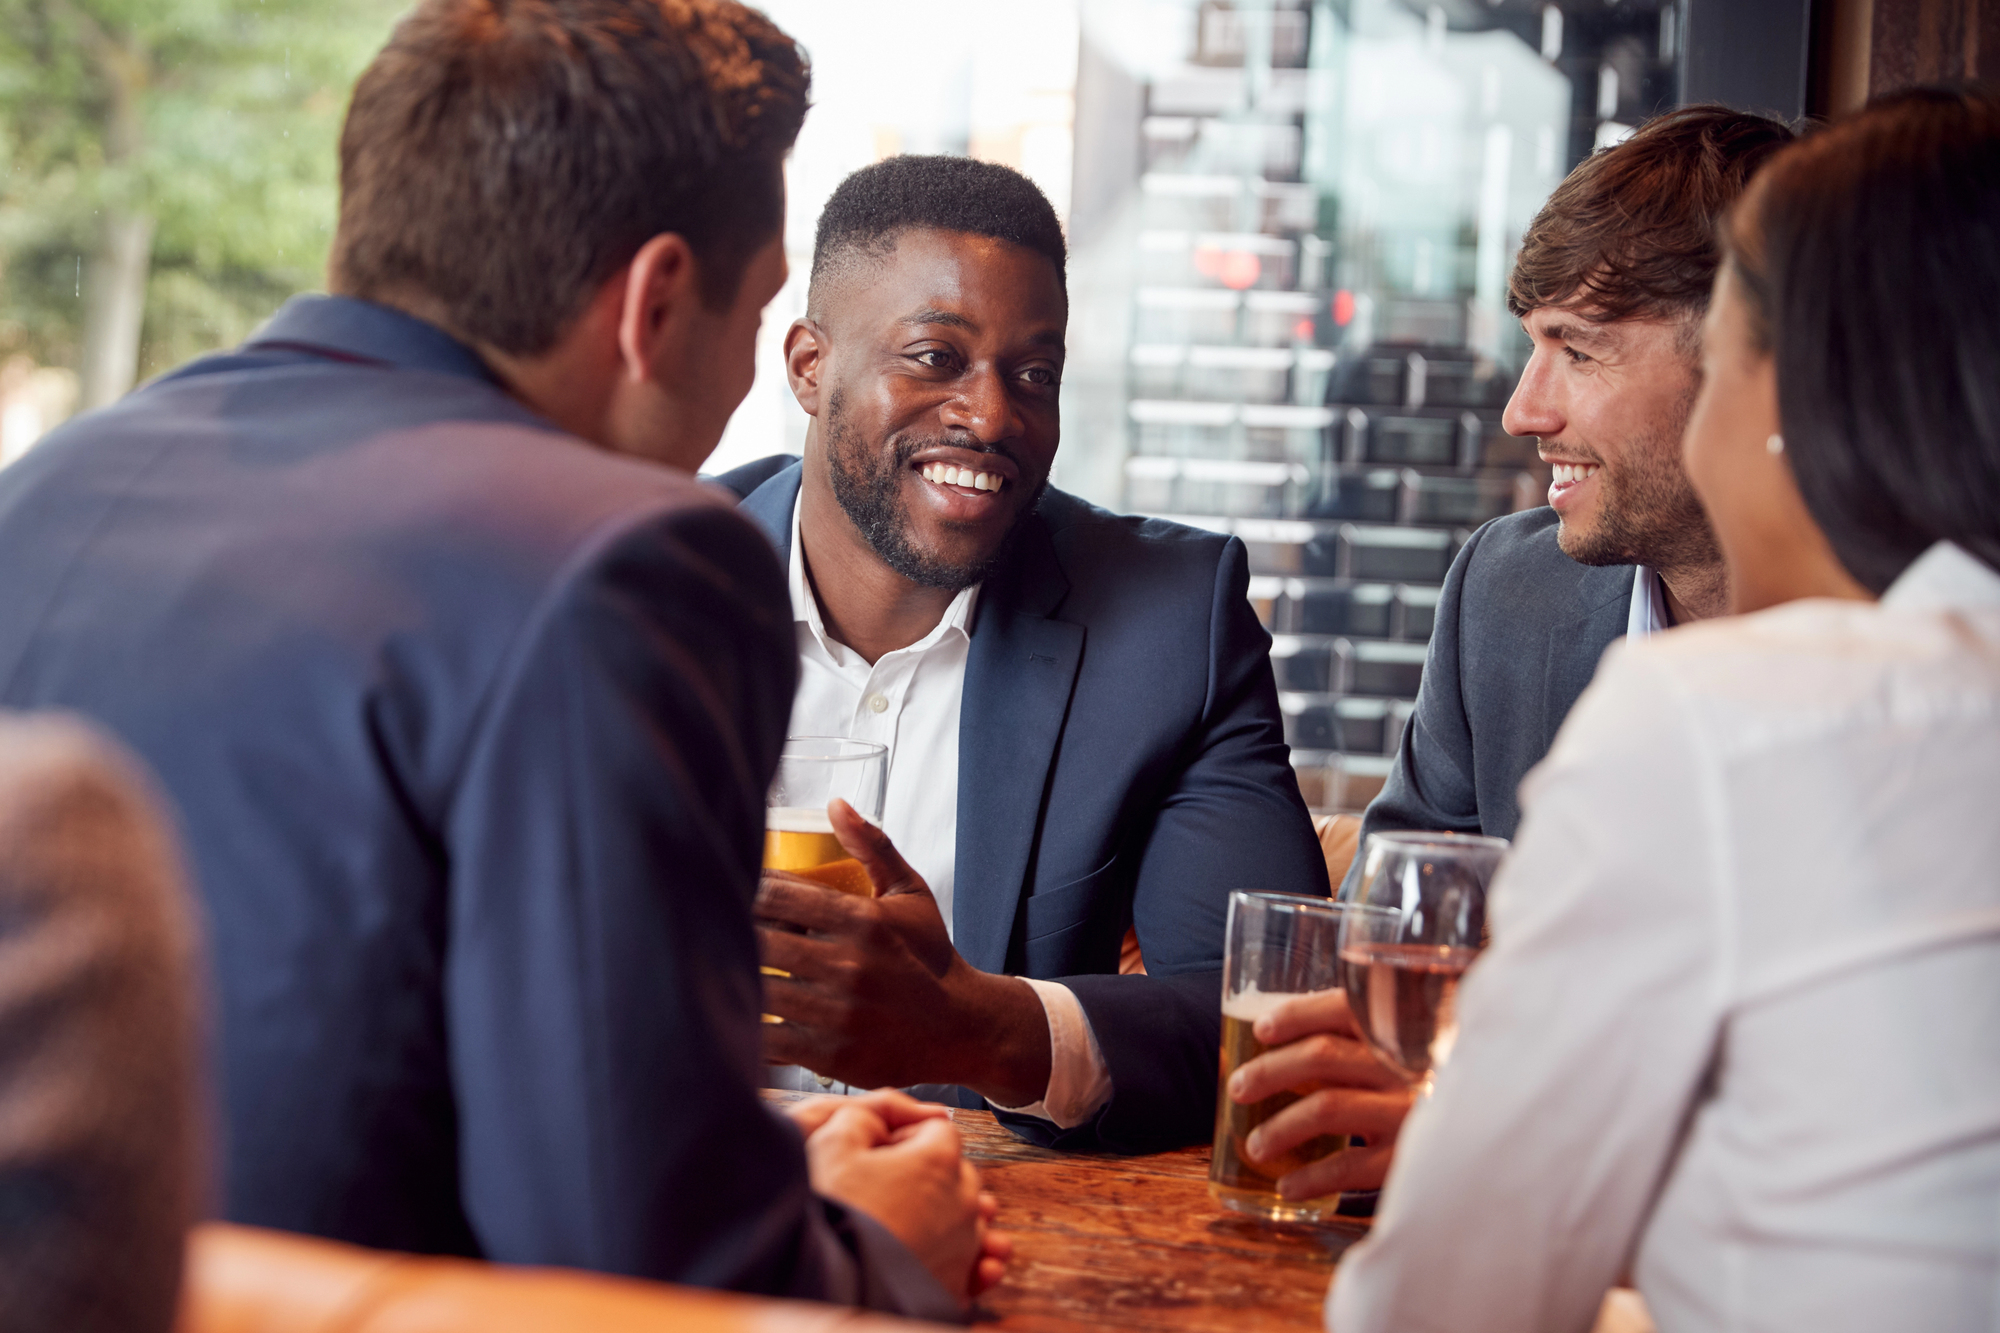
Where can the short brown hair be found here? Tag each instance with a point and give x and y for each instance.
(502, 158)
(1632, 232)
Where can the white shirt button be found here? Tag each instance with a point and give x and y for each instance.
(877, 703)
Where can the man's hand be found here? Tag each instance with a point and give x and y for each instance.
(914, 1180)
(897, 1110)
(1344, 1089)
(877, 995)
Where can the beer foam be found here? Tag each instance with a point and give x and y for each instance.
(1250, 1004)
(797, 819)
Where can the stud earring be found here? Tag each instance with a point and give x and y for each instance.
(1775, 445)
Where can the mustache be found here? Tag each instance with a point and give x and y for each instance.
(907, 447)
(1582, 454)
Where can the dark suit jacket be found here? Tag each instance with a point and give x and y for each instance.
(100, 1133)
(1520, 627)
(1121, 761)
(468, 725)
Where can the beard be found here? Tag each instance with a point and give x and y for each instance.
(1647, 513)
(868, 485)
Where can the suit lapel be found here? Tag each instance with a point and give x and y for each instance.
(1019, 673)
(1576, 646)
(770, 507)
(1019, 676)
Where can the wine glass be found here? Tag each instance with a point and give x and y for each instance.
(1419, 919)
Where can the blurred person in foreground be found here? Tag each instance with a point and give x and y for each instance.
(101, 1151)
(468, 694)
(1610, 286)
(1735, 1028)
(1080, 712)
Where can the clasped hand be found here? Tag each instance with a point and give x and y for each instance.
(1343, 1087)
(877, 996)
(899, 1160)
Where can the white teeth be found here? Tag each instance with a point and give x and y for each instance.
(1565, 473)
(946, 474)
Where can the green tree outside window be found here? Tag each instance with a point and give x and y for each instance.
(167, 172)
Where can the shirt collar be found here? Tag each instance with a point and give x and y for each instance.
(1946, 577)
(805, 608)
(346, 328)
(1649, 605)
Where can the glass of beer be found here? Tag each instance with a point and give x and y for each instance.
(1277, 945)
(798, 835)
(1419, 921)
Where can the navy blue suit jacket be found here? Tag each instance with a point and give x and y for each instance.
(1520, 629)
(1121, 762)
(468, 725)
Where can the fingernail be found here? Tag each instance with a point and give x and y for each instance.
(1254, 1145)
(1235, 1085)
(1263, 1029)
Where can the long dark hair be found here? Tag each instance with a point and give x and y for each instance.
(1870, 254)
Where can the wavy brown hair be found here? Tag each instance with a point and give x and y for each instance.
(1631, 233)
(502, 158)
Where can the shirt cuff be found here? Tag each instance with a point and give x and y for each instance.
(1079, 1082)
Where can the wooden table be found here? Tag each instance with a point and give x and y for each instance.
(1136, 1243)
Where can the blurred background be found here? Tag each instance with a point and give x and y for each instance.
(1291, 225)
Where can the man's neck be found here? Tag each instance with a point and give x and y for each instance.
(1695, 592)
(862, 602)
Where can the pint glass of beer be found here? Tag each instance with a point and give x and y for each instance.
(798, 835)
(1278, 945)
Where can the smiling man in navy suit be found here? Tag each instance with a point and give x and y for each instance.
(1079, 709)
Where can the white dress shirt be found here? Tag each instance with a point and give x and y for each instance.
(1649, 604)
(1737, 1025)
(909, 702)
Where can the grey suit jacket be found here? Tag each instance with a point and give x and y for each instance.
(1520, 628)
(99, 1130)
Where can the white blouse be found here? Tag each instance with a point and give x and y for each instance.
(1739, 1025)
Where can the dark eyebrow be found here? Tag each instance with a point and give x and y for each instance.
(931, 315)
(1590, 335)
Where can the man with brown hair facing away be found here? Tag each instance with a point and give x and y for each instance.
(468, 694)
(1611, 285)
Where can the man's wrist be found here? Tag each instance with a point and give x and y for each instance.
(1003, 1049)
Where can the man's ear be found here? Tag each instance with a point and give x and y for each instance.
(805, 355)
(661, 298)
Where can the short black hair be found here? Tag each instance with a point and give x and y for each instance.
(1870, 257)
(502, 158)
(878, 203)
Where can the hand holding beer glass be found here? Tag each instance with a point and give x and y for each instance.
(814, 771)
(1277, 947)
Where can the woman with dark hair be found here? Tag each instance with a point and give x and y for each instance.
(1735, 1031)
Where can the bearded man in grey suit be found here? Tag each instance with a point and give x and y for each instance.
(1610, 285)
